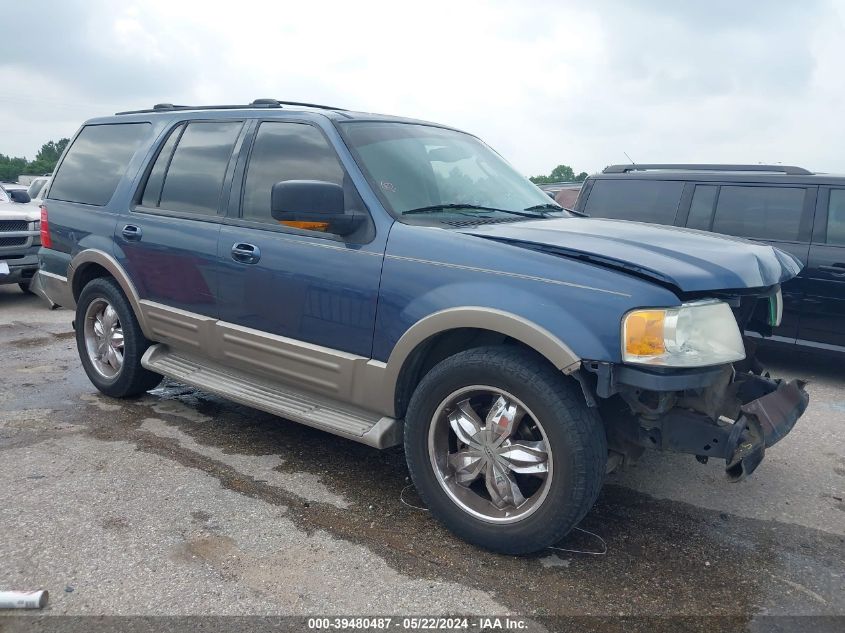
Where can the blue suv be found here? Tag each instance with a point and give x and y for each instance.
(396, 282)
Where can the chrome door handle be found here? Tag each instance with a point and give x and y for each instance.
(246, 253)
(132, 233)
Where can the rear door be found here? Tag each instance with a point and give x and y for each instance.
(777, 215)
(168, 242)
(823, 319)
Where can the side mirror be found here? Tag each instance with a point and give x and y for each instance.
(19, 195)
(313, 204)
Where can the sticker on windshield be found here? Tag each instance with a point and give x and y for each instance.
(388, 186)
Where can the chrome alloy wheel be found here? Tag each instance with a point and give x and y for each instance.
(103, 338)
(490, 454)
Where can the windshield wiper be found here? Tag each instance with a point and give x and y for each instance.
(434, 208)
(555, 207)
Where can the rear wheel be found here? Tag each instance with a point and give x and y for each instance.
(503, 449)
(110, 341)
(24, 286)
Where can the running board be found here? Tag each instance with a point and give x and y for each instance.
(319, 412)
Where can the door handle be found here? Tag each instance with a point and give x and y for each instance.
(246, 253)
(131, 233)
(837, 269)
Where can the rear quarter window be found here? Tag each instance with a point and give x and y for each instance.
(654, 201)
(97, 160)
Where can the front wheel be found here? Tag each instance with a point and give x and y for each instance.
(503, 449)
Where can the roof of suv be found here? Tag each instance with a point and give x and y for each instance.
(719, 172)
(268, 105)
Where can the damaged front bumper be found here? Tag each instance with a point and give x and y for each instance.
(724, 415)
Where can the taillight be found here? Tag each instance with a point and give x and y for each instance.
(46, 241)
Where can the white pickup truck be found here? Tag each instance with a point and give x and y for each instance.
(20, 238)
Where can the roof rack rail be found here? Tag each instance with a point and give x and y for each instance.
(779, 169)
(258, 103)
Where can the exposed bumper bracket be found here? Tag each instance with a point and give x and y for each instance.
(768, 411)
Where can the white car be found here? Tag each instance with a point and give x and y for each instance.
(20, 237)
(38, 188)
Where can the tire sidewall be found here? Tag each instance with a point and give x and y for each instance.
(563, 501)
(134, 343)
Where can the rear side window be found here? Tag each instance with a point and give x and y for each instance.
(654, 201)
(836, 218)
(768, 213)
(189, 171)
(96, 162)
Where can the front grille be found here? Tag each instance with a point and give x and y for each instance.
(12, 241)
(14, 225)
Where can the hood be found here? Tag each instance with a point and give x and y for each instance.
(19, 211)
(689, 260)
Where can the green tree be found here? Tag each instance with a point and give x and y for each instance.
(561, 173)
(11, 167)
(47, 157)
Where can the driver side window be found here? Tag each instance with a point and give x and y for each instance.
(289, 151)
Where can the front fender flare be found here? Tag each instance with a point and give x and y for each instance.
(478, 317)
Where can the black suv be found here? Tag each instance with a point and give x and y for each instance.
(788, 207)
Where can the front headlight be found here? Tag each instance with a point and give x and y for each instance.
(692, 335)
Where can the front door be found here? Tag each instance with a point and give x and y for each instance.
(823, 317)
(310, 287)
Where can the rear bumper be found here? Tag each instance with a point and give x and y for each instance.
(54, 288)
(21, 269)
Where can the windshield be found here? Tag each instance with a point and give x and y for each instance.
(426, 169)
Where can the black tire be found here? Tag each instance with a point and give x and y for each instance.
(132, 379)
(575, 435)
(24, 286)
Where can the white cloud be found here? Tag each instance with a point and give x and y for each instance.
(543, 82)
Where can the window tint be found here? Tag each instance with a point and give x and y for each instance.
(701, 209)
(653, 201)
(194, 180)
(152, 190)
(836, 217)
(36, 186)
(769, 213)
(96, 162)
(286, 151)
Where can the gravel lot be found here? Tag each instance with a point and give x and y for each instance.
(182, 503)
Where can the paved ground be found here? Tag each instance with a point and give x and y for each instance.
(182, 503)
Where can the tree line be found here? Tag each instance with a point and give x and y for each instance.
(11, 167)
(561, 173)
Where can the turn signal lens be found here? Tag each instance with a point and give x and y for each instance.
(696, 334)
(644, 333)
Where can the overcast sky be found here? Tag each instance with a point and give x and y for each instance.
(543, 82)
